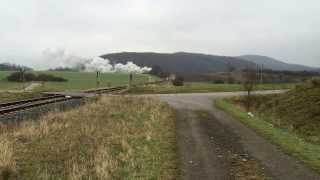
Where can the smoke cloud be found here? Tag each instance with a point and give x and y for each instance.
(104, 65)
(98, 64)
(60, 58)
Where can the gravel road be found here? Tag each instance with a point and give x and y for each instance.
(205, 144)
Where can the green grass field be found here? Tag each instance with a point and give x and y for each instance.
(77, 80)
(194, 87)
(5, 85)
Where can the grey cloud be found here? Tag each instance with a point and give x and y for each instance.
(287, 29)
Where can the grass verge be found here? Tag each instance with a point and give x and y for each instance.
(198, 87)
(113, 138)
(290, 143)
(15, 96)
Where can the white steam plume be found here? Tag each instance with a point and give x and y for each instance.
(103, 65)
(99, 64)
(60, 58)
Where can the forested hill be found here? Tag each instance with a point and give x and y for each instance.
(181, 63)
(274, 64)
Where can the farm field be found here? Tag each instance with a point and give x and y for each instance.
(202, 87)
(76, 80)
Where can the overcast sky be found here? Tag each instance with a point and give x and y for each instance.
(288, 30)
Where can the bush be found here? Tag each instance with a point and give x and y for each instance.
(19, 77)
(46, 77)
(218, 81)
(14, 77)
(231, 80)
(315, 82)
(178, 81)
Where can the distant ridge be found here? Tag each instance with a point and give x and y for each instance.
(185, 63)
(181, 62)
(274, 64)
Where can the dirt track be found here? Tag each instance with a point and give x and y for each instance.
(216, 146)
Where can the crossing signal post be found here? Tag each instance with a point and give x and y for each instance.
(22, 74)
(130, 80)
(98, 79)
(259, 71)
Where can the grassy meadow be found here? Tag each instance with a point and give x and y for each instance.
(113, 138)
(5, 85)
(77, 80)
(203, 87)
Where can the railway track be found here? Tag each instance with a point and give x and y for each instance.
(106, 90)
(11, 107)
(15, 103)
(7, 108)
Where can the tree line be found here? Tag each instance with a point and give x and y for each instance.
(27, 77)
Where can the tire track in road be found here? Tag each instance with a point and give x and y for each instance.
(201, 159)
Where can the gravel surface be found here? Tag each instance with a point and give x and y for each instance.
(203, 144)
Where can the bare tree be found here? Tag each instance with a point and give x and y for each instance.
(230, 70)
(249, 82)
(230, 67)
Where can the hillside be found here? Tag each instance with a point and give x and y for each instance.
(296, 110)
(290, 120)
(180, 63)
(274, 64)
(183, 63)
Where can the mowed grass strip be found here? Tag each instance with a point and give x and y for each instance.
(113, 138)
(204, 87)
(289, 142)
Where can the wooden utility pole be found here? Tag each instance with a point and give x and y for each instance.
(130, 80)
(258, 72)
(261, 74)
(22, 71)
(98, 79)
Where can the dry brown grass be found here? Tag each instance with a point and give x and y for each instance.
(7, 161)
(113, 138)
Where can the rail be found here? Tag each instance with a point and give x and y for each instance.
(15, 106)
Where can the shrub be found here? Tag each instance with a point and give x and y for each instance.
(231, 80)
(178, 81)
(46, 77)
(29, 77)
(315, 82)
(218, 81)
(19, 77)
(14, 77)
